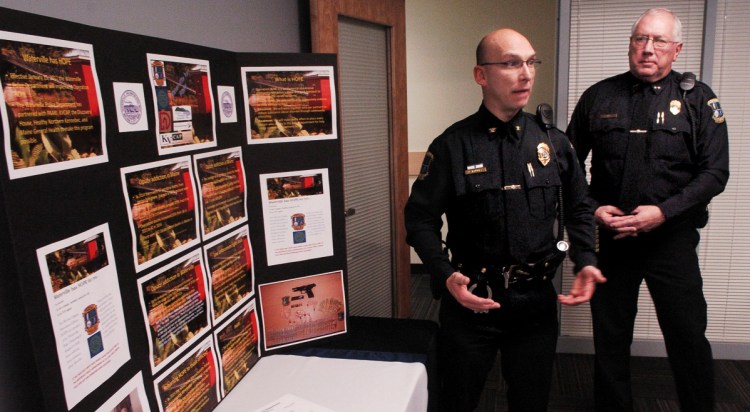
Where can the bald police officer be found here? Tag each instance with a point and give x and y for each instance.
(496, 175)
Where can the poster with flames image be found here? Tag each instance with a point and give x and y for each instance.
(223, 199)
(289, 104)
(182, 94)
(175, 308)
(302, 309)
(230, 272)
(237, 343)
(161, 205)
(192, 383)
(50, 103)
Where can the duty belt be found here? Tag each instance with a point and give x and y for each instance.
(511, 274)
(517, 274)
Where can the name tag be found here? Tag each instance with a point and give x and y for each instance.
(474, 169)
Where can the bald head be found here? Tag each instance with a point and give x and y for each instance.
(506, 66)
(498, 41)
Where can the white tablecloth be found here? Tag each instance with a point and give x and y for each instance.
(343, 385)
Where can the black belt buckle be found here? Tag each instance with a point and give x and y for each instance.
(508, 273)
(515, 273)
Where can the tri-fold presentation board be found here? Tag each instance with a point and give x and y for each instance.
(170, 214)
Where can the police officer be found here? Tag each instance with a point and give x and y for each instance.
(659, 155)
(496, 175)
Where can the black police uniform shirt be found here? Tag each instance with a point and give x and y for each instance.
(674, 173)
(497, 184)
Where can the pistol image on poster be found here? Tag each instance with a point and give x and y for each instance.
(307, 289)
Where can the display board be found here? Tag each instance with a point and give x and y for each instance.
(170, 214)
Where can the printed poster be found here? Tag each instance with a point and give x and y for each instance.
(289, 104)
(230, 272)
(296, 215)
(160, 200)
(51, 105)
(175, 308)
(83, 294)
(130, 398)
(237, 344)
(302, 309)
(192, 383)
(182, 94)
(223, 199)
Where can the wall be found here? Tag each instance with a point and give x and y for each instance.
(234, 25)
(441, 40)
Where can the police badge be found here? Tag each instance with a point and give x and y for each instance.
(675, 106)
(542, 153)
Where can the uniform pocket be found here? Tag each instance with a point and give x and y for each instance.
(481, 197)
(671, 139)
(477, 192)
(541, 190)
(610, 136)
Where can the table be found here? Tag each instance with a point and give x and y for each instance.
(342, 385)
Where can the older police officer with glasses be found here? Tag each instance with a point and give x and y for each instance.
(659, 155)
(496, 176)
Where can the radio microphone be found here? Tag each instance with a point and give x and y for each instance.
(687, 82)
(545, 115)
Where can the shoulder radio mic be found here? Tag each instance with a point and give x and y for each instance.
(687, 82)
(545, 115)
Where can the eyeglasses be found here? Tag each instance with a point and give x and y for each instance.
(515, 64)
(659, 43)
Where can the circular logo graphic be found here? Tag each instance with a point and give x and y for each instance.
(130, 107)
(165, 121)
(227, 105)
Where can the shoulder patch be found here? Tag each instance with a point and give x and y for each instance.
(424, 170)
(718, 114)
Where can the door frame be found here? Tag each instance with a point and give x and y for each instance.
(324, 33)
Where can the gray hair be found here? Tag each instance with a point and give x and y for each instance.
(677, 27)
